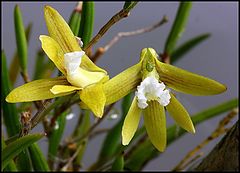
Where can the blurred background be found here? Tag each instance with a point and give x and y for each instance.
(217, 57)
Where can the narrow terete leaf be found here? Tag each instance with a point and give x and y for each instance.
(75, 19)
(20, 39)
(14, 66)
(83, 127)
(118, 163)
(112, 140)
(10, 115)
(187, 46)
(23, 161)
(11, 166)
(18, 146)
(128, 5)
(178, 26)
(56, 135)
(39, 65)
(39, 161)
(87, 22)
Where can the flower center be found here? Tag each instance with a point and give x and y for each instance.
(150, 89)
(77, 76)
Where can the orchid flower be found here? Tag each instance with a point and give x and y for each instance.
(80, 74)
(151, 80)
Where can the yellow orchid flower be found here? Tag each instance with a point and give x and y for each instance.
(151, 78)
(80, 73)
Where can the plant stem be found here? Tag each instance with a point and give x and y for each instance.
(93, 126)
(100, 51)
(117, 17)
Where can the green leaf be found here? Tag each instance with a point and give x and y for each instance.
(118, 163)
(38, 160)
(126, 103)
(178, 26)
(17, 146)
(43, 67)
(111, 143)
(87, 22)
(112, 140)
(187, 46)
(23, 161)
(10, 115)
(20, 39)
(14, 66)
(56, 135)
(137, 161)
(39, 65)
(74, 21)
(82, 127)
(11, 166)
(128, 5)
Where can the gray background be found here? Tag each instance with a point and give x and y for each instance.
(216, 58)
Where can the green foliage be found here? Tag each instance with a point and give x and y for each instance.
(17, 146)
(187, 46)
(112, 140)
(11, 165)
(14, 66)
(118, 163)
(74, 21)
(20, 39)
(23, 153)
(138, 159)
(38, 159)
(128, 5)
(10, 114)
(23, 161)
(178, 26)
(87, 22)
(56, 135)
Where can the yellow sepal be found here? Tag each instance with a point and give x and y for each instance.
(122, 84)
(60, 31)
(187, 82)
(131, 122)
(36, 90)
(180, 114)
(94, 98)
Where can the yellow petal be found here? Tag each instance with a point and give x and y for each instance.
(131, 122)
(87, 64)
(122, 84)
(36, 90)
(60, 31)
(155, 123)
(94, 98)
(53, 51)
(58, 89)
(83, 78)
(180, 115)
(187, 82)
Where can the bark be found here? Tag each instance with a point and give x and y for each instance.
(225, 155)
